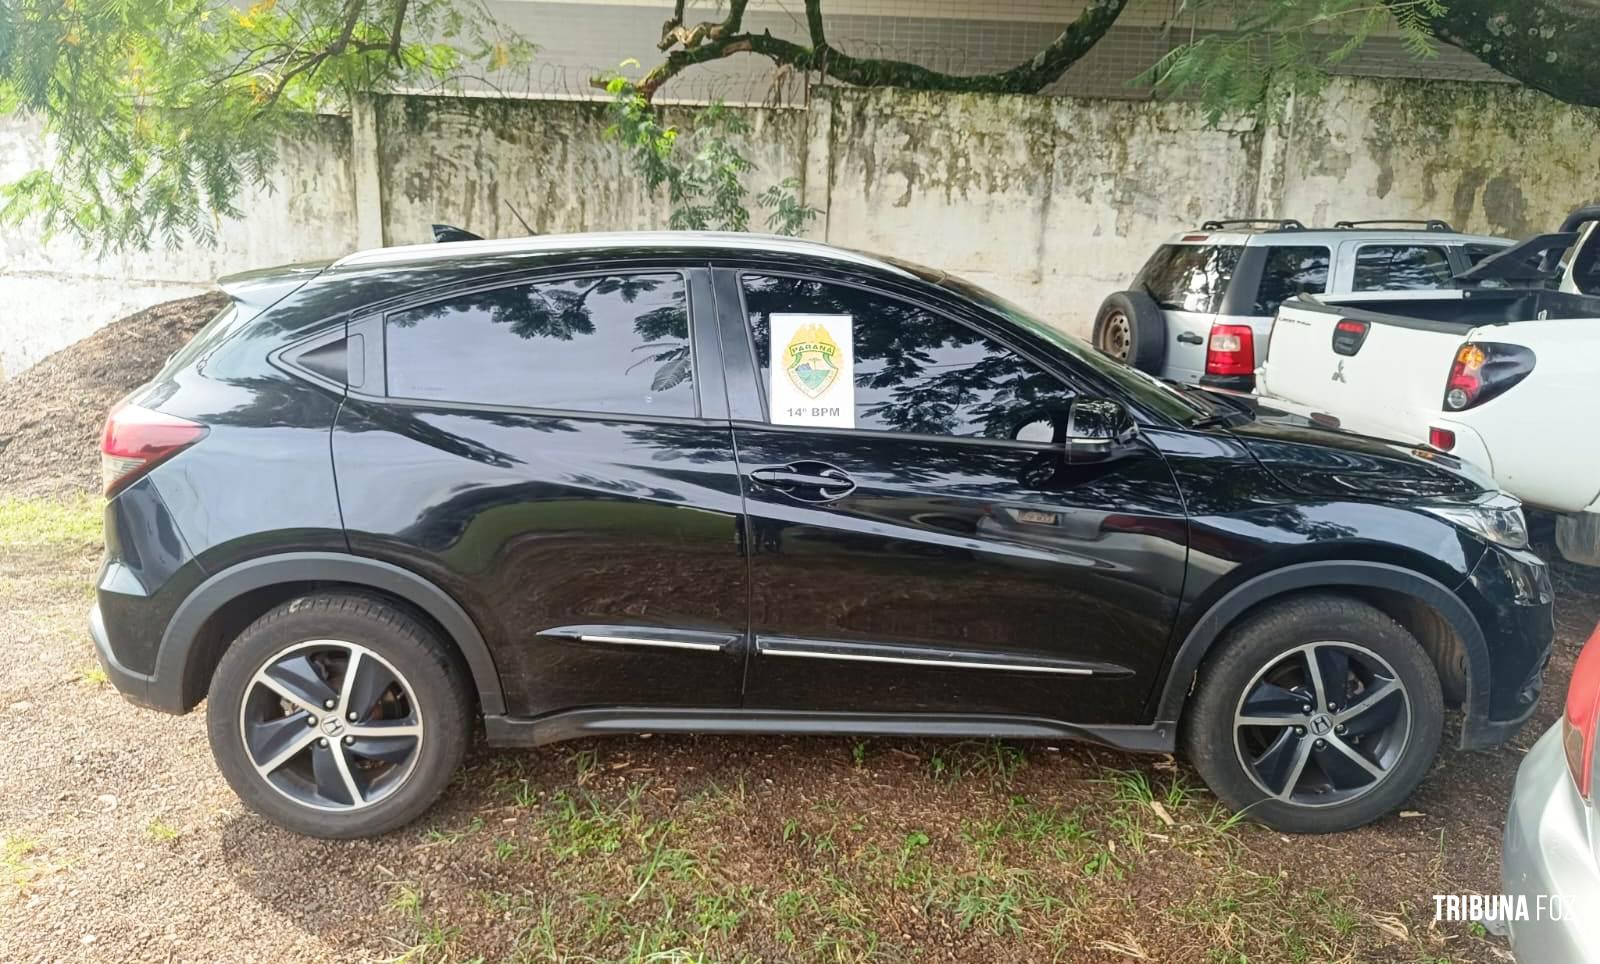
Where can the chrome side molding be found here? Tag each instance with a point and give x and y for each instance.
(643, 636)
(927, 657)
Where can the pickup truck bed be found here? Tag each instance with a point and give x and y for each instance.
(1380, 367)
(1465, 310)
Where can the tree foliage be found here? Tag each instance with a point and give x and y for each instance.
(1280, 46)
(703, 171)
(161, 111)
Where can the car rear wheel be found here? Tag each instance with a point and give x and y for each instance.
(1131, 328)
(1316, 715)
(338, 716)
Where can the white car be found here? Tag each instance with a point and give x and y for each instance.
(1199, 310)
(1501, 372)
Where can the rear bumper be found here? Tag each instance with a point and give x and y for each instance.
(1230, 383)
(147, 574)
(136, 687)
(1548, 861)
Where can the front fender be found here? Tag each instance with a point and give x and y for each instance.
(1332, 574)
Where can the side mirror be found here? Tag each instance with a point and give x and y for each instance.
(1096, 427)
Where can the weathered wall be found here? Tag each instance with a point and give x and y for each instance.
(54, 293)
(1490, 159)
(1053, 202)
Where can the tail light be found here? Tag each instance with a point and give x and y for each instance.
(1231, 351)
(1483, 370)
(1442, 439)
(1582, 713)
(1348, 336)
(138, 439)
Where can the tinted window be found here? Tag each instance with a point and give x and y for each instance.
(1189, 277)
(1401, 267)
(915, 371)
(1290, 271)
(613, 343)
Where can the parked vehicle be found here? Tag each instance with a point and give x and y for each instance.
(1551, 859)
(722, 483)
(1200, 309)
(1501, 376)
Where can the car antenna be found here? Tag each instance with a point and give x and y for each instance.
(531, 232)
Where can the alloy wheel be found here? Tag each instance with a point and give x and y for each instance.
(1322, 724)
(331, 725)
(1116, 336)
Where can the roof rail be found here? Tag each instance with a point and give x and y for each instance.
(1428, 224)
(1278, 224)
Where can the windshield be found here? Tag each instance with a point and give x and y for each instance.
(1184, 406)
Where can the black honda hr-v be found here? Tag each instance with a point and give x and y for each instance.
(732, 484)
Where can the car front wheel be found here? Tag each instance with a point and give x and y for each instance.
(1316, 715)
(338, 716)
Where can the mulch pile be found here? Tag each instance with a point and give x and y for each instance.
(52, 414)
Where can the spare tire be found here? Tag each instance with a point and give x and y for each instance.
(1131, 328)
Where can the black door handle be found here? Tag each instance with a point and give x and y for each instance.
(807, 481)
(1190, 338)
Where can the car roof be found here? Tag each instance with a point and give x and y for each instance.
(455, 253)
(1331, 236)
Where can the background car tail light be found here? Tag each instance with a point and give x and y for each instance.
(137, 439)
(1231, 350)
(1442, 439)
(1348, 336)
(1582, 713)
(1483, 370)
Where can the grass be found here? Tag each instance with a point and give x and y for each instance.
(162, 832)
(73, 521)
(985, 853)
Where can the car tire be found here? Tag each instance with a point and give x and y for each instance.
(400, 726)
(1261, 672)
(1131, 328)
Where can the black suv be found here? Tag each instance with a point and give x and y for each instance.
(540, 483)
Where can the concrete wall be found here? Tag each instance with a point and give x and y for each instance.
(469, 161)
(53, 293)
(1050, 202)
(1053, 202)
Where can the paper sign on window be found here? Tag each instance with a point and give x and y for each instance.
(812, 369)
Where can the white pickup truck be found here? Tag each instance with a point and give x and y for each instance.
(1503, 372)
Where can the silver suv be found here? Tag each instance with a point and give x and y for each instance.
(1200, 310)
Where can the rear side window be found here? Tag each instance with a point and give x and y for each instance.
(1401, 267)
(1189, 277)
(614, 343)
(1291, 270)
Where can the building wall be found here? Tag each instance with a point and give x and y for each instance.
(1052, 202)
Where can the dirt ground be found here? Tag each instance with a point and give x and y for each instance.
(119, 840)
(51, 414)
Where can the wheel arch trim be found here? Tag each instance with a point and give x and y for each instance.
(178, 642)
(1331, 575)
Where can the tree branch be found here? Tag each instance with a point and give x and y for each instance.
(1549, 45)
(814, 24)
(395, 31)
(1030, 77)
(311, 63)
